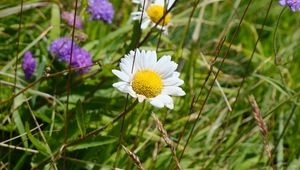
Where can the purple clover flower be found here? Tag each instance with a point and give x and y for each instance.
(101, 10)
(293, 4)
(81, 58)
(69, 18)
(62, 48)
(28, 65)
(282, 2)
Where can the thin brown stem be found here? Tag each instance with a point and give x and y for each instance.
(217, 73)
(121, 133)
(69, 85)
(195, 99)
(42, 134)
(247, 68)
(18, 46)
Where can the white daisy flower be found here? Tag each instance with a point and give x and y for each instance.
(149, 79)
(154, 10)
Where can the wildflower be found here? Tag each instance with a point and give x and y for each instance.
(69, 18)
(81, 58)
(28, 65)
(154, 12)
(101, 10)
(149, 79)
(62, 48)
(293, 4)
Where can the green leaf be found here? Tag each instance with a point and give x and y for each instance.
(40, 72)
(20, 164)
(94, 142)
(274, 83)
(14, 10)
(295, 164)
(55, 22)
(40, 146)
(80, 118)
(18, 101)
(137, 33)
(34, 42)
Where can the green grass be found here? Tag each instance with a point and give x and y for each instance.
(221, 139)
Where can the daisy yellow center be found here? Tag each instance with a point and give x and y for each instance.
(147, 83)
(156, 12)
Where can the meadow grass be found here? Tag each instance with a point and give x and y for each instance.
(238, 59)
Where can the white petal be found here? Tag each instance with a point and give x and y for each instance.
(173, 81)
(148, 59)
(141, 98)
(131, 92)
(169, 70)
(126, 69)
(165, 67)
(143, 60)
(157, 103)
(166, 31)
(121, 75)
(173, 91)
(167, 100)
(162, 62)
(136, 54)
(130, 60)
(164, 28)
(136, 15)
(151, 58)
(137, 1)
(126, 64)
(170, 105)
(121, 86)
(170, 3)
(120, 83)
(176, 74)
(145, 23)
(159, 2)
(125, 88)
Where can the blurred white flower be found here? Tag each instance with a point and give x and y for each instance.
(153, 12)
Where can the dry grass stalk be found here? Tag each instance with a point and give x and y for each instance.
(3, 165)
(261, 124)
(135, 158)
(166, 138)
(19, 148)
